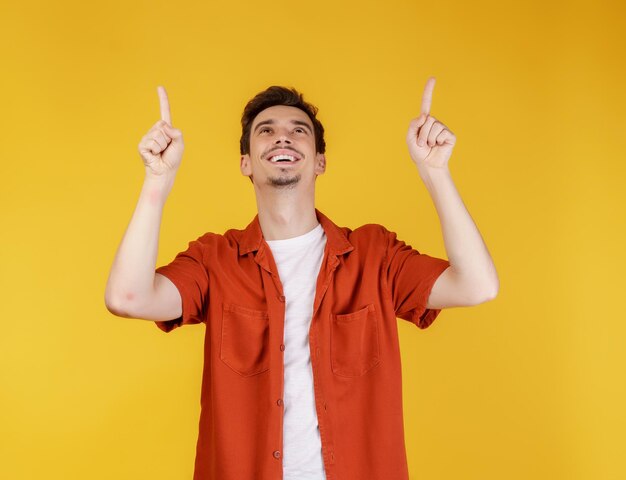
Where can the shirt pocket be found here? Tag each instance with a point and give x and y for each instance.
(244, 345)
(354, 348)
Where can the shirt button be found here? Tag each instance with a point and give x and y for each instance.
(281, 298)
(276, 454)
(279, 402)
(282, 347)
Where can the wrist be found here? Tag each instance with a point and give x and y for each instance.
(434, 176)
(158, 187)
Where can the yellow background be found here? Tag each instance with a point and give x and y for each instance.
(529, 386)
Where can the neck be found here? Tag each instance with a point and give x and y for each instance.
(286, 213)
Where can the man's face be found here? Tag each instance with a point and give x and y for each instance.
(282, 149)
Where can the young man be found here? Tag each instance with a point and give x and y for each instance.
(302, 374)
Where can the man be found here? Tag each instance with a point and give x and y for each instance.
(302, 374)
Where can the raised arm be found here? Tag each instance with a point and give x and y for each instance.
(471, 277)
(133, 289)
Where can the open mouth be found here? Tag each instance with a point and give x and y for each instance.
(283, 158)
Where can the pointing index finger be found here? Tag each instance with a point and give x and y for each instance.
(165, 105)
(427, 97)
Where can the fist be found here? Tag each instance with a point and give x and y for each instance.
(430, 142)
(161, 149)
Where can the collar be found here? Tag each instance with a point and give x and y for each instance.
(336, 238)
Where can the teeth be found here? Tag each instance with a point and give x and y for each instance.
(276, 158)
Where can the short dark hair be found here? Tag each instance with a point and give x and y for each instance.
(271, 97)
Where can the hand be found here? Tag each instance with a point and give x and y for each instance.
(162, 147)
(430, 142)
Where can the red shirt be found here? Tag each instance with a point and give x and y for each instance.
(368, 278)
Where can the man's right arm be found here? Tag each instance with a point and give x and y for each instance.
(133, 289)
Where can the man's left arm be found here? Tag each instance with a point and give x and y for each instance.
(471, 278)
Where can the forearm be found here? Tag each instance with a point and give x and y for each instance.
(131, 279)
(467, 252)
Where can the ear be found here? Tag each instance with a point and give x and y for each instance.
(320, 163)
(245, 165)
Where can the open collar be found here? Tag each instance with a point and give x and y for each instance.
(252, 238)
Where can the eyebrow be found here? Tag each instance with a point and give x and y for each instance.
(294, 122)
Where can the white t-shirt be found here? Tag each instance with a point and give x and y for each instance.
(298, 260)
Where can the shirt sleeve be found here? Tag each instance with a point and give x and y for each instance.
(410, 277)
(189, 274)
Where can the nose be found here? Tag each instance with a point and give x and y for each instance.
(282, 138)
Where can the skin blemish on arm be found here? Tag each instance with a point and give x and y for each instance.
(154, 196)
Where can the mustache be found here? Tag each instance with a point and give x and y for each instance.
(269, 152)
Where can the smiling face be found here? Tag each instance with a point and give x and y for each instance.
(282, 149)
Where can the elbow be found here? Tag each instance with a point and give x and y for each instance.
(481, 291)
(489, 291)
(127, 304)
(115, 305)
(491, 295)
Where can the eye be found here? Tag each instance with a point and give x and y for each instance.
(265, 129)
(300, 130)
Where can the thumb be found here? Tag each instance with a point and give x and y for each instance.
(415, 125)
(175, 133)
